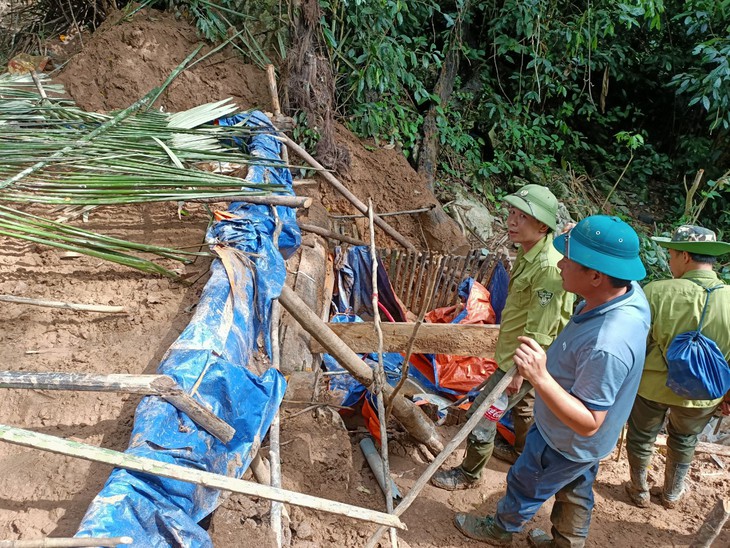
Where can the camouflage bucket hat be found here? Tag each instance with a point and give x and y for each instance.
(694, 239)
(538, 202)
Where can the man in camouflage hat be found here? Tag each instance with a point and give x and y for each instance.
(537, 306)
(676, 307)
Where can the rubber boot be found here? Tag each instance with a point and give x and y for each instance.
(638, 487)
(674, 475)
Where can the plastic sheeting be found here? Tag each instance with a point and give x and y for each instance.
(209, 359)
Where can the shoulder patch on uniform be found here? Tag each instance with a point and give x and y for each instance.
(544, 296)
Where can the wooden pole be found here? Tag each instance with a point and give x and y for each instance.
(26, 438)
(379, 375)
(461, 435)
(286, 201)
(61, 304)
(712, 526)
(330, 234)
(274, 441)
(354, 200)
(387, 213)
(275, 105)
(66, 542)
(410, 416)
(148, 385)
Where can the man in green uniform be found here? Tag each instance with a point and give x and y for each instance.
(537, 306)
(676, 307)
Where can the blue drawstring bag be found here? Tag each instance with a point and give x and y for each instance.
(697, 368)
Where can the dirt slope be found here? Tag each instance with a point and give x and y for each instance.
(46, 495)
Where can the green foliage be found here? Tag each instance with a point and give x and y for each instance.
(383, 61)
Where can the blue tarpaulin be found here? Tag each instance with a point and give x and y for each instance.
(210, 360)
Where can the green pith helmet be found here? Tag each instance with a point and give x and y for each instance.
(538, 202)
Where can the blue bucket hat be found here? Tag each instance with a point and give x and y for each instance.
(606, 244)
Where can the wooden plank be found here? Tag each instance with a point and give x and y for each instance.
(26, 438)
(61, 304)
(454, 339)
(147, 385)
(56, 542)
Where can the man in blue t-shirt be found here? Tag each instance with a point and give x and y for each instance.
(585, 385)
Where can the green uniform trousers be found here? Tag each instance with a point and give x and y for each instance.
(480, 442)
(683, 426)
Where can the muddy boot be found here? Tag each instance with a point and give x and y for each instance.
(453, 479)
(674, 475)
(638, 487)
(484, 529)
(537, 538)
(504, 451)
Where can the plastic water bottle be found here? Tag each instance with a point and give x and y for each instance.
(496, 410)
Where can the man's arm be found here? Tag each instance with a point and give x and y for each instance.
(531, 362)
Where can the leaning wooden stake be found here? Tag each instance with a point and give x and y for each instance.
(145, 465)
(66, 542)
(274, 445)
(342, 189)
(148, 385)
(61, 304)
(712, 526)
(413, 419)
(275, 105)
(379, 375)
(450, 448)
(330, 234)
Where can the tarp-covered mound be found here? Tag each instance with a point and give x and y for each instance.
(209, 360)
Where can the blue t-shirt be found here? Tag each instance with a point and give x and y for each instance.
(598, 358)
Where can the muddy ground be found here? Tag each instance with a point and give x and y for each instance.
(43, 494)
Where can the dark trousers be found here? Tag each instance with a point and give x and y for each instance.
(540, 473)
(683, 426)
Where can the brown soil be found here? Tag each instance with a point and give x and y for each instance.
(43, 494)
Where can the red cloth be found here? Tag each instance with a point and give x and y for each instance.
(462, 373)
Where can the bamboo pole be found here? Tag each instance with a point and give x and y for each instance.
(66, 542)
(286, 201)
(147, 385)
(342, 189)
(379, 375)
(274, 442)
(330, 234)
(410, 416)
(63, 304)
(387, 214)
(26, 438)
(276, 106)
(461, 435)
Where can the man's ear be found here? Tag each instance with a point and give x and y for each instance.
(544, 228)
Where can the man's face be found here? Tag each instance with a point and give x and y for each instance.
(574, 276)
(523, 228)
(676, 264)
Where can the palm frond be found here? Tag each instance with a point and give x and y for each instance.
(52, 152)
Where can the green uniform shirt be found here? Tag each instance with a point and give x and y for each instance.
(537, 306)
(676, 307)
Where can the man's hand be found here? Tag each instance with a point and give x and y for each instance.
(530, 360)
(725, 405)
(514, 386)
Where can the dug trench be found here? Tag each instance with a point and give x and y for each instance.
(46, 495)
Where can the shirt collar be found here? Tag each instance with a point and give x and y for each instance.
(537, 248)
(700, 275)
(605, 307)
